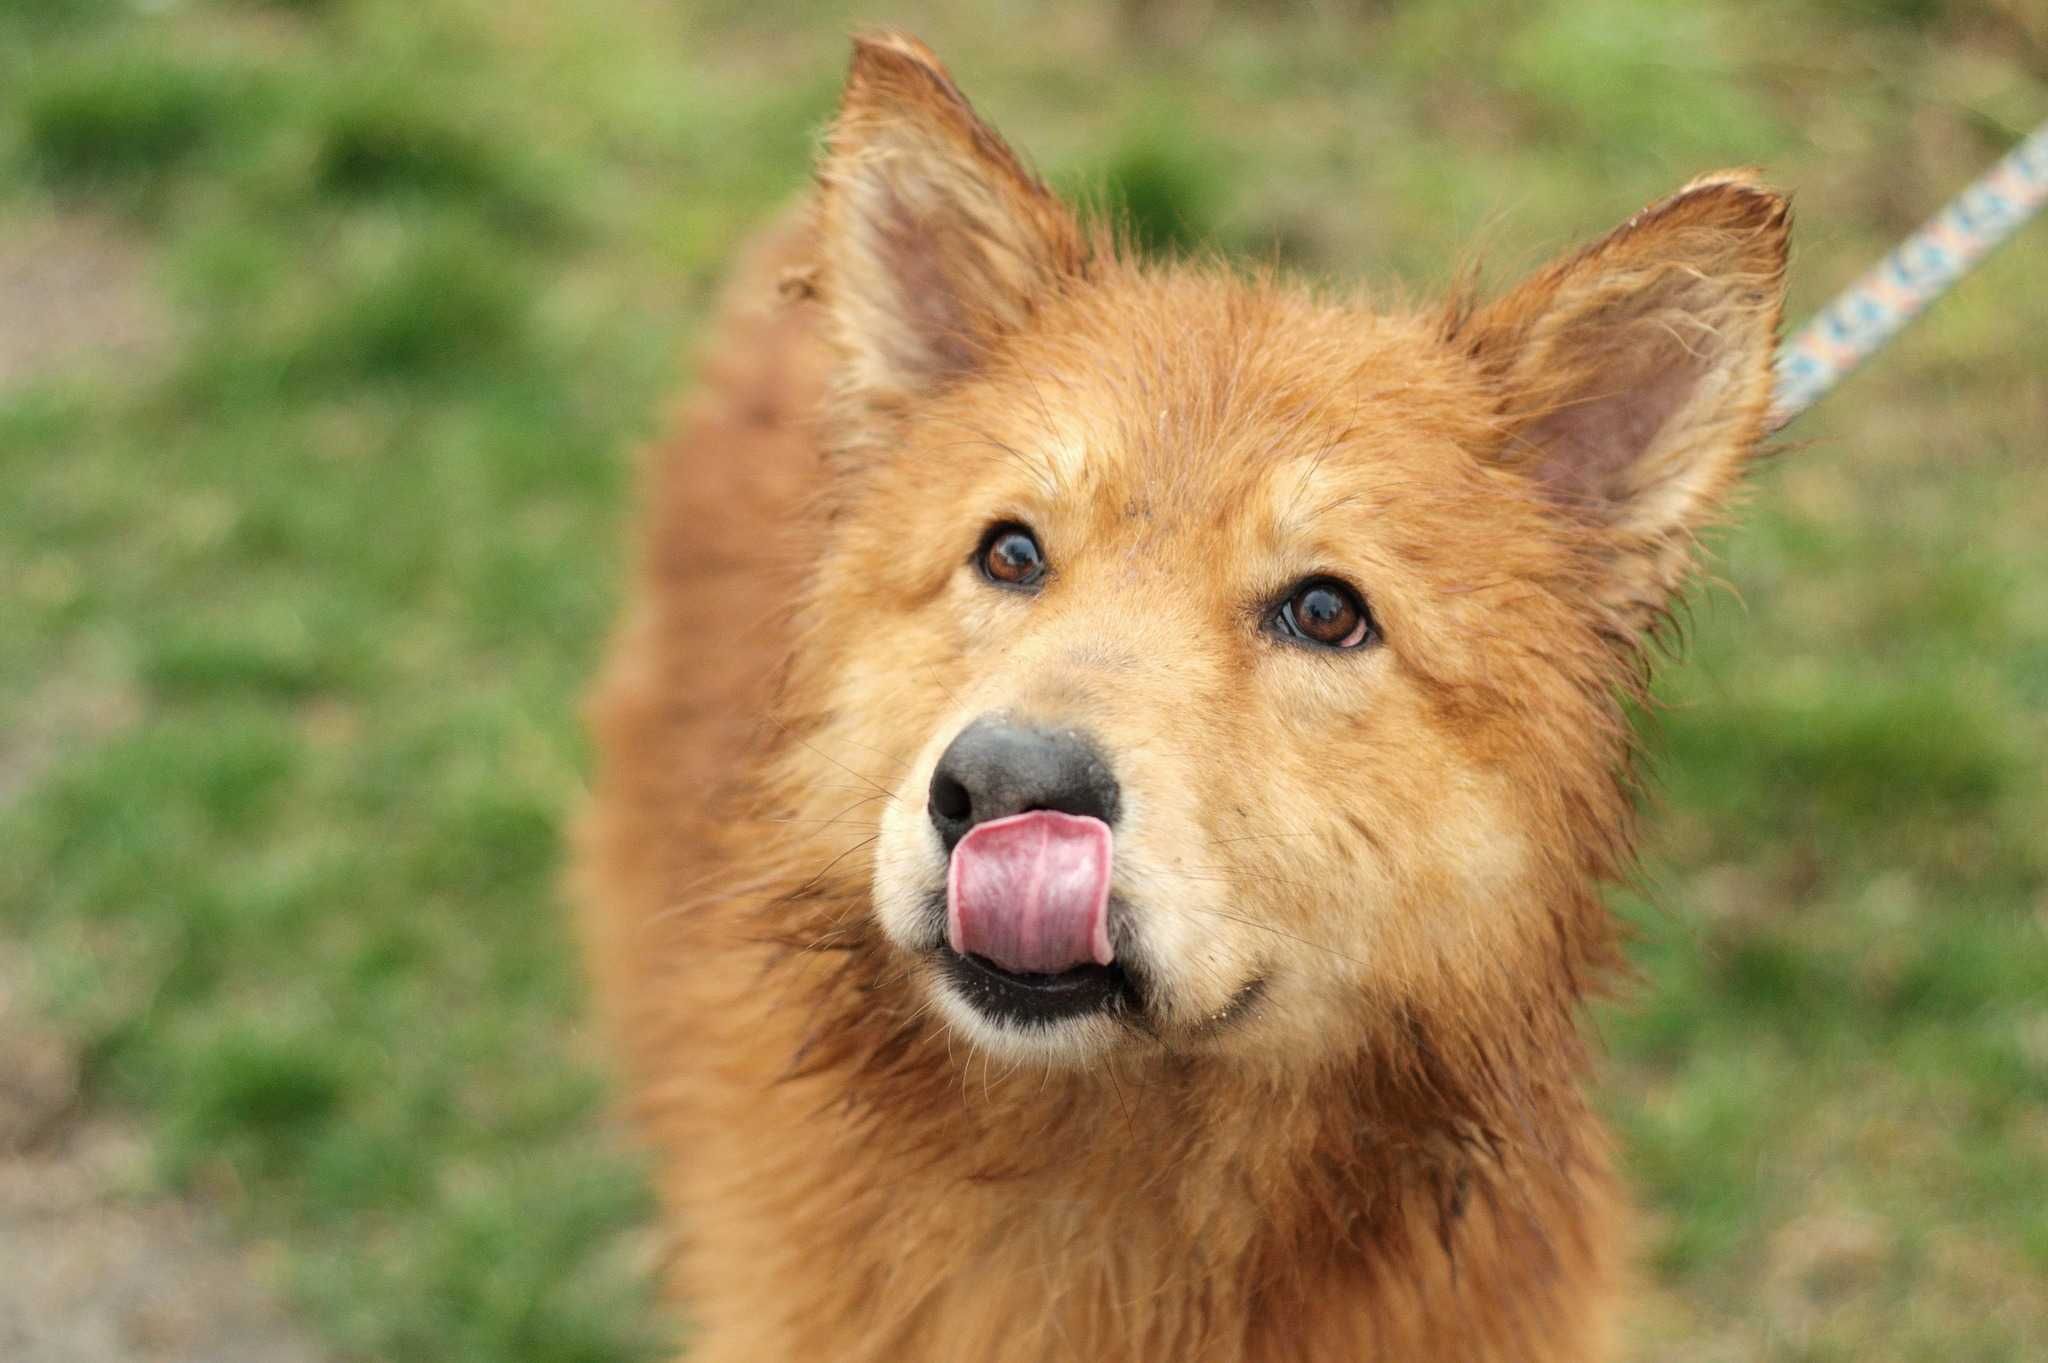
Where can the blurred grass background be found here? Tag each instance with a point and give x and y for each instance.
(298, 591)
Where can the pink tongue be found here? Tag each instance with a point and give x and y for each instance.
(1031, 892)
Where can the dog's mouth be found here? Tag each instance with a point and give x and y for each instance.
(1027, 921)
(1018, 999)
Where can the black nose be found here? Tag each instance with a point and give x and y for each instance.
(996, 768)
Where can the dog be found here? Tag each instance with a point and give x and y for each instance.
(1108, 767)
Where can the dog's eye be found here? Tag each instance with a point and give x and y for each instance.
(1010, 557)
(1325, 613)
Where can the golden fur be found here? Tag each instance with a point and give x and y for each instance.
(1353, 1123)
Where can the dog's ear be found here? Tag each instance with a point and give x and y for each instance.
(1634, 378)
(934, 240)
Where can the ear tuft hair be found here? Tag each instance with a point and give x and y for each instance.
(935, 240)
(1634, 376)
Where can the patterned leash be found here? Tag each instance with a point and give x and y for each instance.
(1872, 310)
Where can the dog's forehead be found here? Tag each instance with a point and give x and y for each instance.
(1199, 389)
(1285, 464)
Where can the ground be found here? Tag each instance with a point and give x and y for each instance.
(327, 328)
(96, 1266)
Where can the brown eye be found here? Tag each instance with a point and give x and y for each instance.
(1325, 613)
(1010, 557)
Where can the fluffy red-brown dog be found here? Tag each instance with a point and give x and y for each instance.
(1109, 766)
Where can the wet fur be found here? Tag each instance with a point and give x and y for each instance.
(1358, 1127)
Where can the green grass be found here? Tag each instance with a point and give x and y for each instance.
(298, 609)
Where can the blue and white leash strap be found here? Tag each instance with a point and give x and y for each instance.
(1870, 311)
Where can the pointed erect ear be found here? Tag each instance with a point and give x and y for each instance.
(1635, 376)
(934, 239)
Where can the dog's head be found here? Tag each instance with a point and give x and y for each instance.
(1257, 663)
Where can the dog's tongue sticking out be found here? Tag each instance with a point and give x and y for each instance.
(1031, 892)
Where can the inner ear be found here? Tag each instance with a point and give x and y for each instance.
(1605, 444)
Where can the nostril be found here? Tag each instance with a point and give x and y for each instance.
(949, 799)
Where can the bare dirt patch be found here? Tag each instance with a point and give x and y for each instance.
(75, 297)
(92, 1269)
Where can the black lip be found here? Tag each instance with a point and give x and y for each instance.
(1040, 1000)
